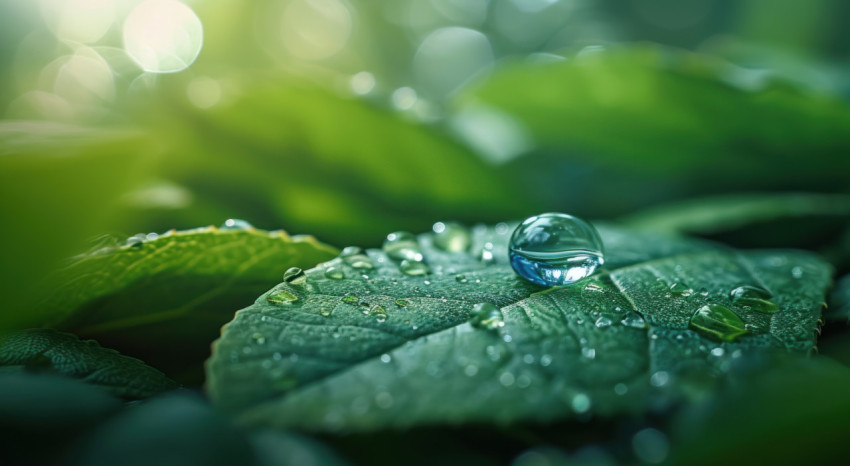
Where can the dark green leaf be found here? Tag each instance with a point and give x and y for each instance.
(839, 302)
(180, 287)
(329, 362)
(84, 359)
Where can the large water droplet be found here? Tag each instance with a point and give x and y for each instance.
(555, 249)
(294, 276)
(413, 268)
(717, 323)
(487, 316)
(359, 261)
(282, 297)
(402, 245)
(754, 298)
(235, 224)
(633, 320)
(451, 237)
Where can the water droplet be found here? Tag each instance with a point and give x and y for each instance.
(621, 389)
(594, 287)
(555, 249)
(136, 241)
(603, 322)
(386, 358)
(797, 272)
(486, 255)
(470, 370)
(402, 245)
(588, 353)
(451, 237)
(659, 379)
(717, 323)
(325, 311)
(350, 299)
(334, 273)
(294, 276)
(580, 403)
(486, 316)
(651, 446)
(379, 312)
(507, 379)
(359, 261)
(413, 268)
(235, 224)
(349, 251)
(754, 298)
(282, 297)
(461, 278)
(680, 289)
(402, 302)
(634, 320)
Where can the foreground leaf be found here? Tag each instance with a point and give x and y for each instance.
(331, 360)
(68, 355)
(180, 287)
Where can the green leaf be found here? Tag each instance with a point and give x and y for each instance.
(839, 302)
(685, 120)
(330, 362)
(58, 186)
(181, 287)
(84, 359)
(316, 161)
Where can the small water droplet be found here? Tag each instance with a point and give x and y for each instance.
(486, 255)
(797, 272)
(359, 261)
(680, 289)
(717, 323)
(350, 299)
(634, 320)
(603, 322)
(507, 379)
(325, 311)
(502, 228)
(402, 245)
(651, 446)
(621, 389)
(754, 298)
(334, 273)
(379, 312)
(451, 237)
(588, 353)
(349, 251)
(413, 268)
(555, 249)
(470, 370)
(235, 224)
(386, 358)
(295, 276)
(580, 403)
(282, 297)
(461, 278)
(402, 302)
(545, 360)
(717, 352)
(259, 338)
(486, 316)
(659, 379)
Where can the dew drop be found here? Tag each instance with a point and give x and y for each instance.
(451, 237)
(754, 298)
(486, 316)
(413, 268)
(486, 255)
(402, 302)
(350, 251)
(580, 403)
(461, 278)
(350, 299)
(379, 312)
(717, 323)
(259, 338)
(334, 273)
(603, 322)
(282, 297)
(797, 272)
(359, 261)
(235, 224)
(555, 249)
(680, 289)
(633, 320)
(402, 245)
(294, 276)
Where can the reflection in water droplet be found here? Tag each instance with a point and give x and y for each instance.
(402, 245)
(555, 249)
(451, 237)
(295, 276)
(414, 268)
(486, 256)
(235, 224)
(379, 312)
(350, 299)
(282, 297)
(717, 323)
(334, 273)
(486, 316)
(603, 322)
(754, 298)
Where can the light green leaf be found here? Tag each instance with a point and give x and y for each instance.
(58, 186)
(330, 361)
(317, 161)
(180, 287)
(651, 110)
(84, 359)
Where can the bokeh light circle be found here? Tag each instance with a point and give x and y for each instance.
(163, 36)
